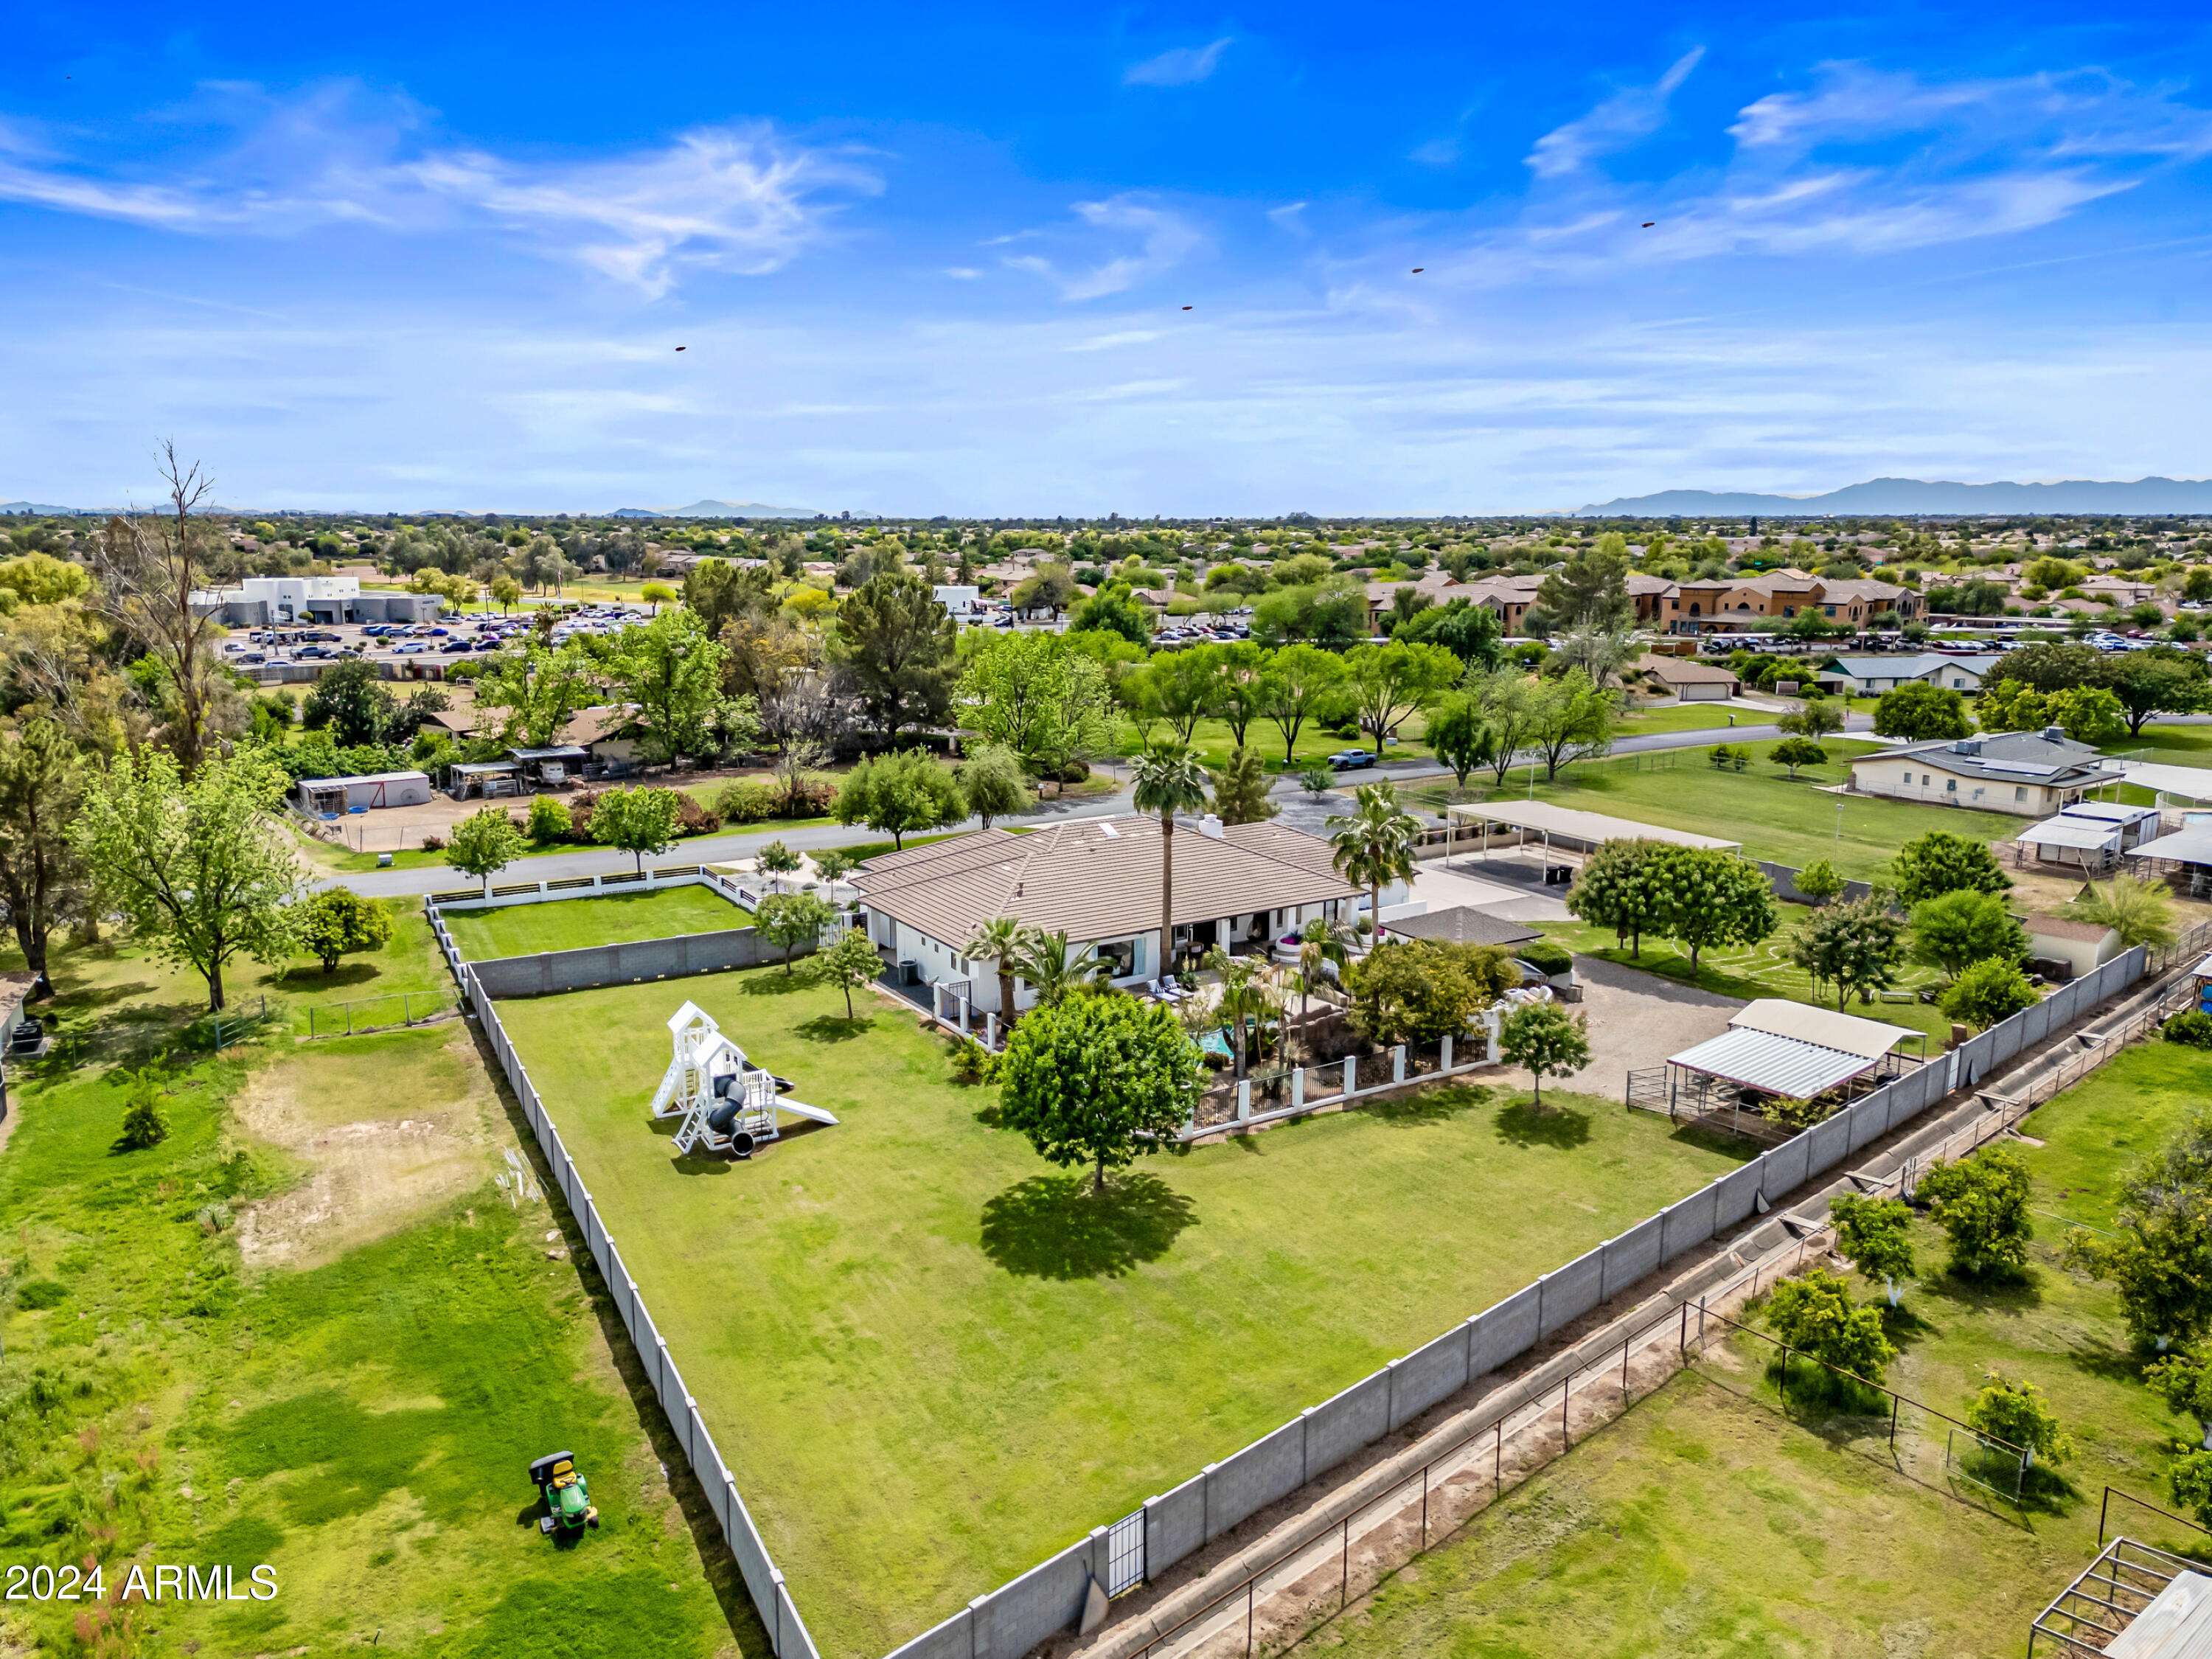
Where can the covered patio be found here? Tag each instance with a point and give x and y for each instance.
(1773, 1049)
(1562, 837)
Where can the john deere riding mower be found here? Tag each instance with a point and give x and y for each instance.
(568, 1499)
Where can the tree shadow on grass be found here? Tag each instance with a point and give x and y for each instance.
(1055, 1226)
(308, 977)
(1437, 1105)
(776, 984)
(1561, 1126)
(1999, 1291)
(835, 1028)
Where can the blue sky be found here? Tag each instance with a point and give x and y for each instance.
(1059, 260)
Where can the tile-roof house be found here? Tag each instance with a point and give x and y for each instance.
(1431, 584)
(1690, 682)
(1099, 880)
(2030, 773)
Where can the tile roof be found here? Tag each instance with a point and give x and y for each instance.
(1098, 878)
(1460, 924)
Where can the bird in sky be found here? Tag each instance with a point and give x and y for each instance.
(1648, 223)
(1186, 308)
(1417, 270)
(684, 348)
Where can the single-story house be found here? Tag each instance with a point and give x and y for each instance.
(2074, 947)
(1460, 924)
(2024, 772)
(1690, 682)
(1869, 676)
(1241, 887)
(335, 795)
(606, 734)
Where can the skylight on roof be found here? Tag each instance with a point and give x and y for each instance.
(1109, 832)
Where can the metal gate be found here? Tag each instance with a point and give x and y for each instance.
(1125, 1553)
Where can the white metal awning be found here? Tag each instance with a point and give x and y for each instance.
(2084, 833)
(1779, 1065)
(2190, 846)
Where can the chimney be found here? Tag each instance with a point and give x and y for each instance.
(1210, 827)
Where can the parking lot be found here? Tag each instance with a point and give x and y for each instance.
(403, 645)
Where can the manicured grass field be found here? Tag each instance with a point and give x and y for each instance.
(1710, 1521)
(358, 1413)
(1789, 823)
(568, 924)
(1681, 717)
(933, 1358)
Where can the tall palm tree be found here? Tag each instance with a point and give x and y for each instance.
(2142, 911)
(1000, 939)
(1375, 844)
(1320, 942)
(1247, 991)
(1044, 960)
(1169, 780)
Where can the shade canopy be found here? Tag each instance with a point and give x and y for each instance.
(1593, 829)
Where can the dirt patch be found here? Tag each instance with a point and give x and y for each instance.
(387, 1138)
(1636, 1019)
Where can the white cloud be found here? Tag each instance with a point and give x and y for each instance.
(1184, 66)
(1630, 115)
(1165, 240)
(735, 198)
(965, 273)
(1437, 153)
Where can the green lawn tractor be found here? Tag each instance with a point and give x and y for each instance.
(568, 1499)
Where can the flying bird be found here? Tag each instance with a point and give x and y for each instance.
(1648, 223)
(1417, 270)
(684, 348)
(1186, 308)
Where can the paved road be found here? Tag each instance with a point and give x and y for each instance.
(715, 849)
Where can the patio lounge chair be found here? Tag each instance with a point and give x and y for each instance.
(1165, 990)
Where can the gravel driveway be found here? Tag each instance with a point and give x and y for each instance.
(1636, 1019)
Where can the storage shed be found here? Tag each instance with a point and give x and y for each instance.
(336, 795)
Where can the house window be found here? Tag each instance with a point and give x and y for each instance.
(1119, 956)
(2020, 792)
(1951, 785)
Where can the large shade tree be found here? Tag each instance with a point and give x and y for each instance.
(1099, 1080)
(199, 864)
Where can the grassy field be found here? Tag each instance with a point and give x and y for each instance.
(526, 929)
(932, 1358)
(1682, 717)
(1788, 823)
(306, 1330)
(1711, 1521)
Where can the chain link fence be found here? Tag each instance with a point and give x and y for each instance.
(384, 1014)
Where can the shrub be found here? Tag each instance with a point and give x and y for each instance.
(811, 797)
(1815, 1316)
(1988, 992)
(433, 843)
(144, 1123)
(579, 816)
(777, 860)
(746, 801)
(693, 819)
(549, 821)
(1982, 1205)
(2012, 1410)
(972, 1063)
(1800, 1113)
(41, 1293)
(1546, 957)
(2192, 1030)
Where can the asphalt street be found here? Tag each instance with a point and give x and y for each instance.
(716, 849)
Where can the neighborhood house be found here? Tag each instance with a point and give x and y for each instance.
(1240, 887)
(2025, 772)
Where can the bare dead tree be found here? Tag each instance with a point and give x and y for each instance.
(146, 569)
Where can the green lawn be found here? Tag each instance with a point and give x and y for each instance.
(569, 924)
(1788, 823)
(359, 1418)
(1710, 1521)
(932, 1359)
(1683, 717)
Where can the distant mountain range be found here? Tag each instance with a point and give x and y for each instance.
(39, 510)
(715, 510)
(1912, 497)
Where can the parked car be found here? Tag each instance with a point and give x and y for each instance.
(255, 656)
(410, 646)
(1343, 760)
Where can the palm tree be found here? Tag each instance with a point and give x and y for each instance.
(1320, 943)
(1001, 939)
(1169, 780)
(2140, 911)
(1043, 959)
(1375, 844)
(1247, 993)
